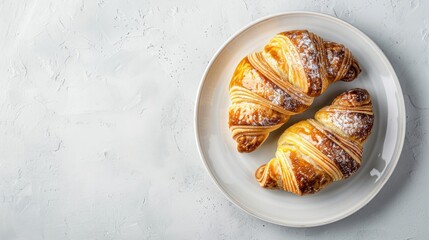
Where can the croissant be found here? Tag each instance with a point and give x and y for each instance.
(268, 87)
(315, 152)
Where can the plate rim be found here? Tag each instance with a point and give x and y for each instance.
(401, 118)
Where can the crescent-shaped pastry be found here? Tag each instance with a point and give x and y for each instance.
(315, 152)
(268, 87)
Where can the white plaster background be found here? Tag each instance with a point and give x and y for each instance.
(96, 120)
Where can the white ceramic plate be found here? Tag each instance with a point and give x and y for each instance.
(233, 172)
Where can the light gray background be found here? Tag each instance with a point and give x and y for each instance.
(96, 120)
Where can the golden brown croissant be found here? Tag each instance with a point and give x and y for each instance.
(313, 153)
(268, 87)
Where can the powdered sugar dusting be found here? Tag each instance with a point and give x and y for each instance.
(333, 59)
(309, 56)
(335, 55)
(353, 124)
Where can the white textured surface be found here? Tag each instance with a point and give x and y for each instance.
(96, 113)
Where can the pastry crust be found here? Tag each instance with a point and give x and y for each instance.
(315, 152)
(268, 87)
